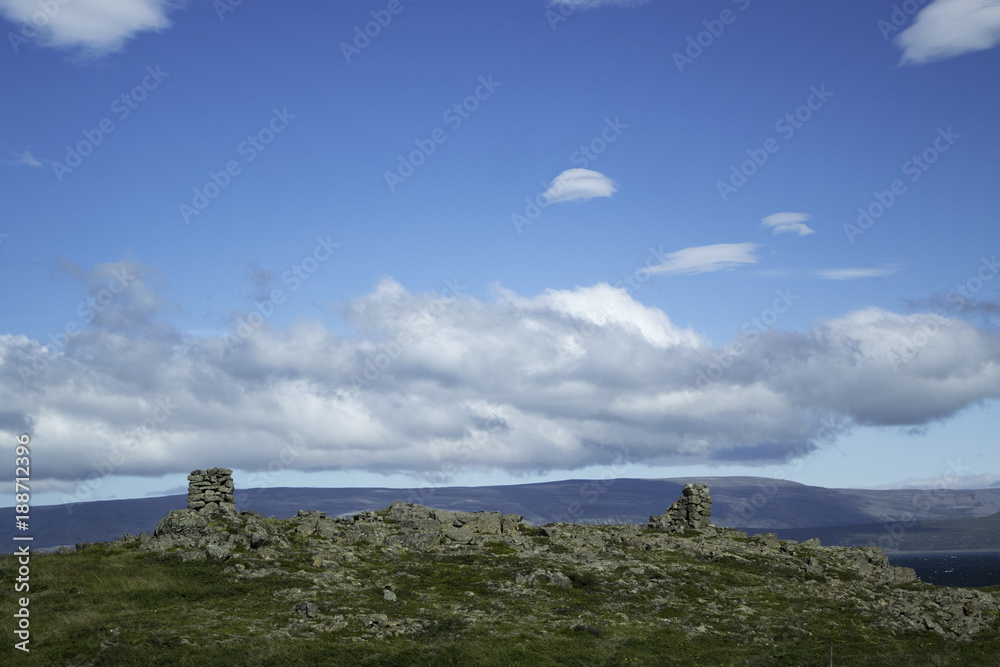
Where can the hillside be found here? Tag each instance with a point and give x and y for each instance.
(972, 534)
(413, 585)
(749, 503)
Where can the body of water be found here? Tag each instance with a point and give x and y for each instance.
(953, 569)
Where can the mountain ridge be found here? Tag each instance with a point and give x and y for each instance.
(756, 504)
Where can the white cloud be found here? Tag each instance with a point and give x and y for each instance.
(948, 28)
(948, 481)
(579, 184)
(25, 159)
(28, 159)
(95, 27)
(856, 273)
(593, 4)
(558, 381)
(782, 223)
(702, 259)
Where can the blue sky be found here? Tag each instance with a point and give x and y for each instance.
(417, 243)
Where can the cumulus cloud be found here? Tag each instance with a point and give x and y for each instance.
(555, 381)
(706, 258)
(857, 273)
(948, 28)
(985, 309)
(787, 223)
(579, 184)
(95, 27)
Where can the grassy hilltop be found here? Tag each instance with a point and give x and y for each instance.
(413, 586)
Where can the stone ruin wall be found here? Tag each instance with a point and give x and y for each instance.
(692, 510)
(211, 491)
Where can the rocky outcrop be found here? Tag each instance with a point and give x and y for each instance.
(692, 510)
(211, 491)
(666, 563)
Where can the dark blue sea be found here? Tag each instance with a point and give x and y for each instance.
(981, 568)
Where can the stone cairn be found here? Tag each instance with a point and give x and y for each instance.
(211, 491)
(692, 510)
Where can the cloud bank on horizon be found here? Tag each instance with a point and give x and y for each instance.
(560, 380)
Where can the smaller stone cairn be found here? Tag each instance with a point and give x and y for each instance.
(211, 491)
(692, 510)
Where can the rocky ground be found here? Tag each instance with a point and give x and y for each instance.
(413, 569)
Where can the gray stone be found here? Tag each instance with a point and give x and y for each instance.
(692, 510)
(217, 552)
(306, 609)
(211, 491)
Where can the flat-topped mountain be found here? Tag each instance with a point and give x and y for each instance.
(750, 503)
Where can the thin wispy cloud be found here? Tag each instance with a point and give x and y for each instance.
(593, 4)
(29, 160)
(859, 273)
(95, 27)
(24, 159)
(707, 258)
(948, 28)
(582, 184)
(787, 223)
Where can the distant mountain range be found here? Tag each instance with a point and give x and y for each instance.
(909, 520)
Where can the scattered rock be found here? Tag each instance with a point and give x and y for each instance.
(860, 577)
(306, 609)
(216, 552)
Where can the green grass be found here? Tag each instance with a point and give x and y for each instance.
(105, 606)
